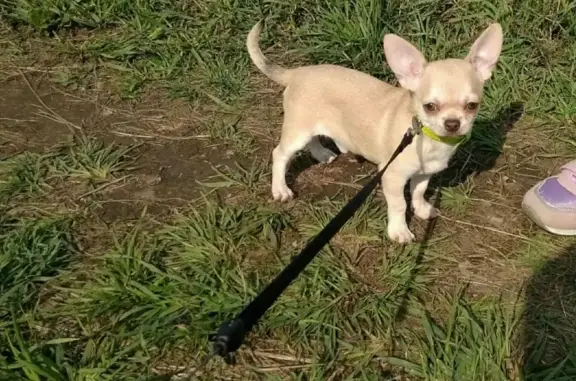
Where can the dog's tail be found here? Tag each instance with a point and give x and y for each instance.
(275, 72)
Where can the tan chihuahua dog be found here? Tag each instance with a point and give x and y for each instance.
(368, 117)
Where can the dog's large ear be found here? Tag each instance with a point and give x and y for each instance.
(405, 61)
(486, 50)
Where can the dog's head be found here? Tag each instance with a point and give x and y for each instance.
(446, 93)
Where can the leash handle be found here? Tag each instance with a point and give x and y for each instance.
(232, 333)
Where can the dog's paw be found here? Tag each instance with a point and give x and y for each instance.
(281, 192)
(399, 232)
(425, 211)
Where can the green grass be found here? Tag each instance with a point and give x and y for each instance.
(231, 132)
(92, 159)
(23, 175)
(475, 342)
(137, 300)
(174, 288)
(196, 49)
(248, 178)
(31, 174)
(32, 252)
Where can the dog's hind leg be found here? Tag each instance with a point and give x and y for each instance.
(319, 152)
(292, 141)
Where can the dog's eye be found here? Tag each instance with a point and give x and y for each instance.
(430, 107)
(471, 106)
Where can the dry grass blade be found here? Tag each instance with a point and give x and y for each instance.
(49, 113)
(155, 136)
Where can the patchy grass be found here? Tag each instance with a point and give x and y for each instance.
(84, 298)
(32, 174)
(23, 175)
(230, 131)
(91, 159)
(475, 342)
(32, 252)
(248, 178)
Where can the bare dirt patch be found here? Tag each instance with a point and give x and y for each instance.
(169, 163)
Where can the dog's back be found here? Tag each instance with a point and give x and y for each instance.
(348, 102)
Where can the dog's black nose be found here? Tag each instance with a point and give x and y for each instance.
(452, 125)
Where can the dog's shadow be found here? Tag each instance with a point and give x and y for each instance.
(482, 151)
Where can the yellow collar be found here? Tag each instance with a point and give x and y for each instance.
(450, 140)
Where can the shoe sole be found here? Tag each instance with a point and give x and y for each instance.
(534, 217)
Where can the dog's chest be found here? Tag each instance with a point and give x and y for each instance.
(433, 166)
(434, 158)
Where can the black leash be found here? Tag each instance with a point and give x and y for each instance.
(231, 333)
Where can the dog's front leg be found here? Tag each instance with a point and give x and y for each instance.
(393, 183)
(422, 208)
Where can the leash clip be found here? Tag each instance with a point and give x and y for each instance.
(416, 127)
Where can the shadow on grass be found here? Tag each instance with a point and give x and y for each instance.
(548, 339)
(483, 149)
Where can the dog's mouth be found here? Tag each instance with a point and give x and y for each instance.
(442, 132)
(454, 134)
